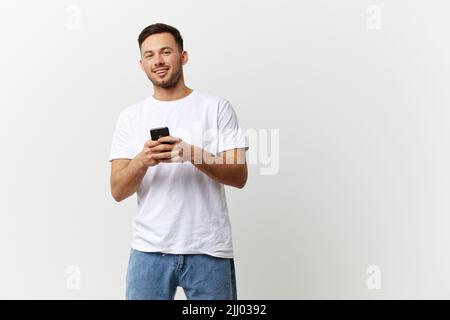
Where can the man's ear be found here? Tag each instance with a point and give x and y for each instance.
(140, 64)
(184, 57)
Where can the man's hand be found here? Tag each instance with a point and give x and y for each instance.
(149, 151)
(229, 167)
(172, 149)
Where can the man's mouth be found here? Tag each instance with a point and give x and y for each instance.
(161, 71)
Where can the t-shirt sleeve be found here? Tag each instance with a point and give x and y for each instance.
(122, 143)
(230, 134)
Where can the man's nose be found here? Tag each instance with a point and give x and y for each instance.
(158, 60)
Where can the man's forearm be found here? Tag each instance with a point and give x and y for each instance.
(128, 179)
(217, 168)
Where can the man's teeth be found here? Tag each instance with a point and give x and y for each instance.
(161, 72)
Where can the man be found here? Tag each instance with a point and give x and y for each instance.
(182, 233)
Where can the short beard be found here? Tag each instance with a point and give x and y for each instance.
(171, 82)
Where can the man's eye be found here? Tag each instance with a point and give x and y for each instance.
(166, 52)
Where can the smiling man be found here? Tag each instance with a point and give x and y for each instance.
(182, 232)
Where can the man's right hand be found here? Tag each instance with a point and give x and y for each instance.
(150, 149)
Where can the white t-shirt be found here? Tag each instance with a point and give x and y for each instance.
(181, 209)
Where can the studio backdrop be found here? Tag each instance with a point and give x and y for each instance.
(346, 105)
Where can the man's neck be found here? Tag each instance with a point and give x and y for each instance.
(171, 93)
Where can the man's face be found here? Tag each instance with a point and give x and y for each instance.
(161, 60)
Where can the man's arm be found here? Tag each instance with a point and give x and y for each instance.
(126, 175)
(228, 167)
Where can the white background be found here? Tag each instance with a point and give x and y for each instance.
(364, 157)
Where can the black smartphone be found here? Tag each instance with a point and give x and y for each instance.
(157, 133)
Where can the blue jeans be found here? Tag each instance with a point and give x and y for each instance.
(156, 275)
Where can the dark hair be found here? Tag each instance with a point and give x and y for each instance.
(160, 28)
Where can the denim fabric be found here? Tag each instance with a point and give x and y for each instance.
(156, 276)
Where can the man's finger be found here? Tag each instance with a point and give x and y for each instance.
(162, 147)
(169, 139)
(162, 155)
(152, 143)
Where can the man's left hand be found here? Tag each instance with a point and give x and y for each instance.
(179, 153)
